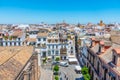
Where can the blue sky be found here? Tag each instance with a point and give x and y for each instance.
(53, 11)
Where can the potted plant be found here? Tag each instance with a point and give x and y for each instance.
(5, 37)
(10, 37)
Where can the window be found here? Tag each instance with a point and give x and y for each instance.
(56, 46)
(53, 52)
(53, 46)
(10, 43)
(19, 39)
(39, 39)
(19, 43)
(49, 46)
(14, 43)
(49, 53)
(114, 58)
(6, 44)
(44, 39)
(57, 52)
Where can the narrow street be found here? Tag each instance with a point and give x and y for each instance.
(70, 73)
(46, 72)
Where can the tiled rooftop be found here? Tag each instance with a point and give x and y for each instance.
(107, 56)
(17, 33)
(42, 34)
(12, 61)
(95, 48)
(31, 39)
(117, 50)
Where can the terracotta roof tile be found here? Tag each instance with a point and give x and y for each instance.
(17, 33)
(117, 50)
(95, 48)
(42, 34)
(11, 65)
(31, 39)
(93, 39)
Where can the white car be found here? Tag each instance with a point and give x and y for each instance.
(64, 64)
(78, 69)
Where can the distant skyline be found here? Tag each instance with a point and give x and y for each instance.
(54, 11)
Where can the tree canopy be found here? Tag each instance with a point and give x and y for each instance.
(85, 73)
(57, 59)
(56, 68)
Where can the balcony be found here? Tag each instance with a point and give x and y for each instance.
(10, 38)
(42, 45)
(63, 51)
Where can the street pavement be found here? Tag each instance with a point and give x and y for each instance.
(46, 72)
(70, 73)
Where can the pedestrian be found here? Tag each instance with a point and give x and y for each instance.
(67, 78)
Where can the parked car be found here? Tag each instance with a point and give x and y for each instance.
(64, 64)
(78, 69)
(55, 63)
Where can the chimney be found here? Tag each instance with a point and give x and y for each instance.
(116, 56)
